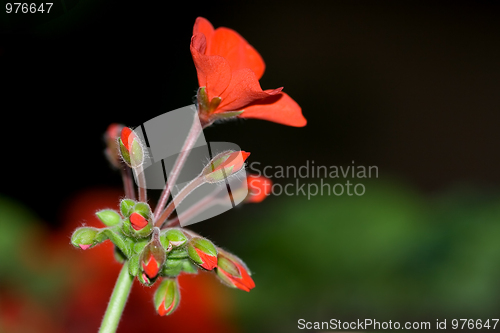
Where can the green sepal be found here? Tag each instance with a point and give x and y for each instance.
(189, 267)
(85, 236)
(119, 255)
(226, 115)
(203, 245)
(175, 237)
(115, 235)
(109, 217)
(171, 272)
(124, 152)
(133, 265)
(228, 266)
(137, 156)
(143, 209)
(145, 281)
(202, 99)
(179, 253)
(126, 207)
(140, 244)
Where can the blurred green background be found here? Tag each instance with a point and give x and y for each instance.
(411, 87)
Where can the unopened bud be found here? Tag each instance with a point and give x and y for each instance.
(140, 222)
(224, 165)
(172, 237)
(202, 252)
(131, 148)
(167, 297)
(153, 256)
(109, 217)
(233, 272)
(85, 237)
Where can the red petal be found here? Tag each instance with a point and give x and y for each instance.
(235, 49)
(231, 46)
(280, 109)
(151, 268)
(243, 89)
(127, 137)
(202, 25)
(161, 309)
(138, 221)
(214, 72)
(209, 262)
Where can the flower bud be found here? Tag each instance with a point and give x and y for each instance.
(109, 217)
(202, 252)
(167, 297)
(153, 256)
(259, 187)
(224, 165)
(140, 222)
(233, 272)
(131, 148)
(172, 237)
(85, 237)
(112, 149)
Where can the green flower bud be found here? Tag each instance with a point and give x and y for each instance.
(109, 217)
(173, 237)
(224, 165)
(86, 237)
(167, 297)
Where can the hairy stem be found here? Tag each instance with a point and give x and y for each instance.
(193, 135)
(178, 199)
(117, 302)
(128, 183)
(199, 207)
(141, 183)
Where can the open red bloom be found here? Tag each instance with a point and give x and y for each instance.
(229, 68)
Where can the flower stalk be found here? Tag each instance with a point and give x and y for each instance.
(117, 301)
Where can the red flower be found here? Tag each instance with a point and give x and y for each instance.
(259, 187)
(229, 68)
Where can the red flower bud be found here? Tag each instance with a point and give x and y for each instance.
(138, 221)
(233, 272)
(153, 256)
(224, 165)
(130, 148)
(203, 252)
(259, 187)
(167, 297)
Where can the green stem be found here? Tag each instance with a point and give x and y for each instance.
(117, 302)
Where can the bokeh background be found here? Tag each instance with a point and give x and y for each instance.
(410, 87)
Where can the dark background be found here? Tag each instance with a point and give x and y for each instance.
(410, 87)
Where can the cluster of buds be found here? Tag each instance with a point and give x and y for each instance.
(155, 254)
